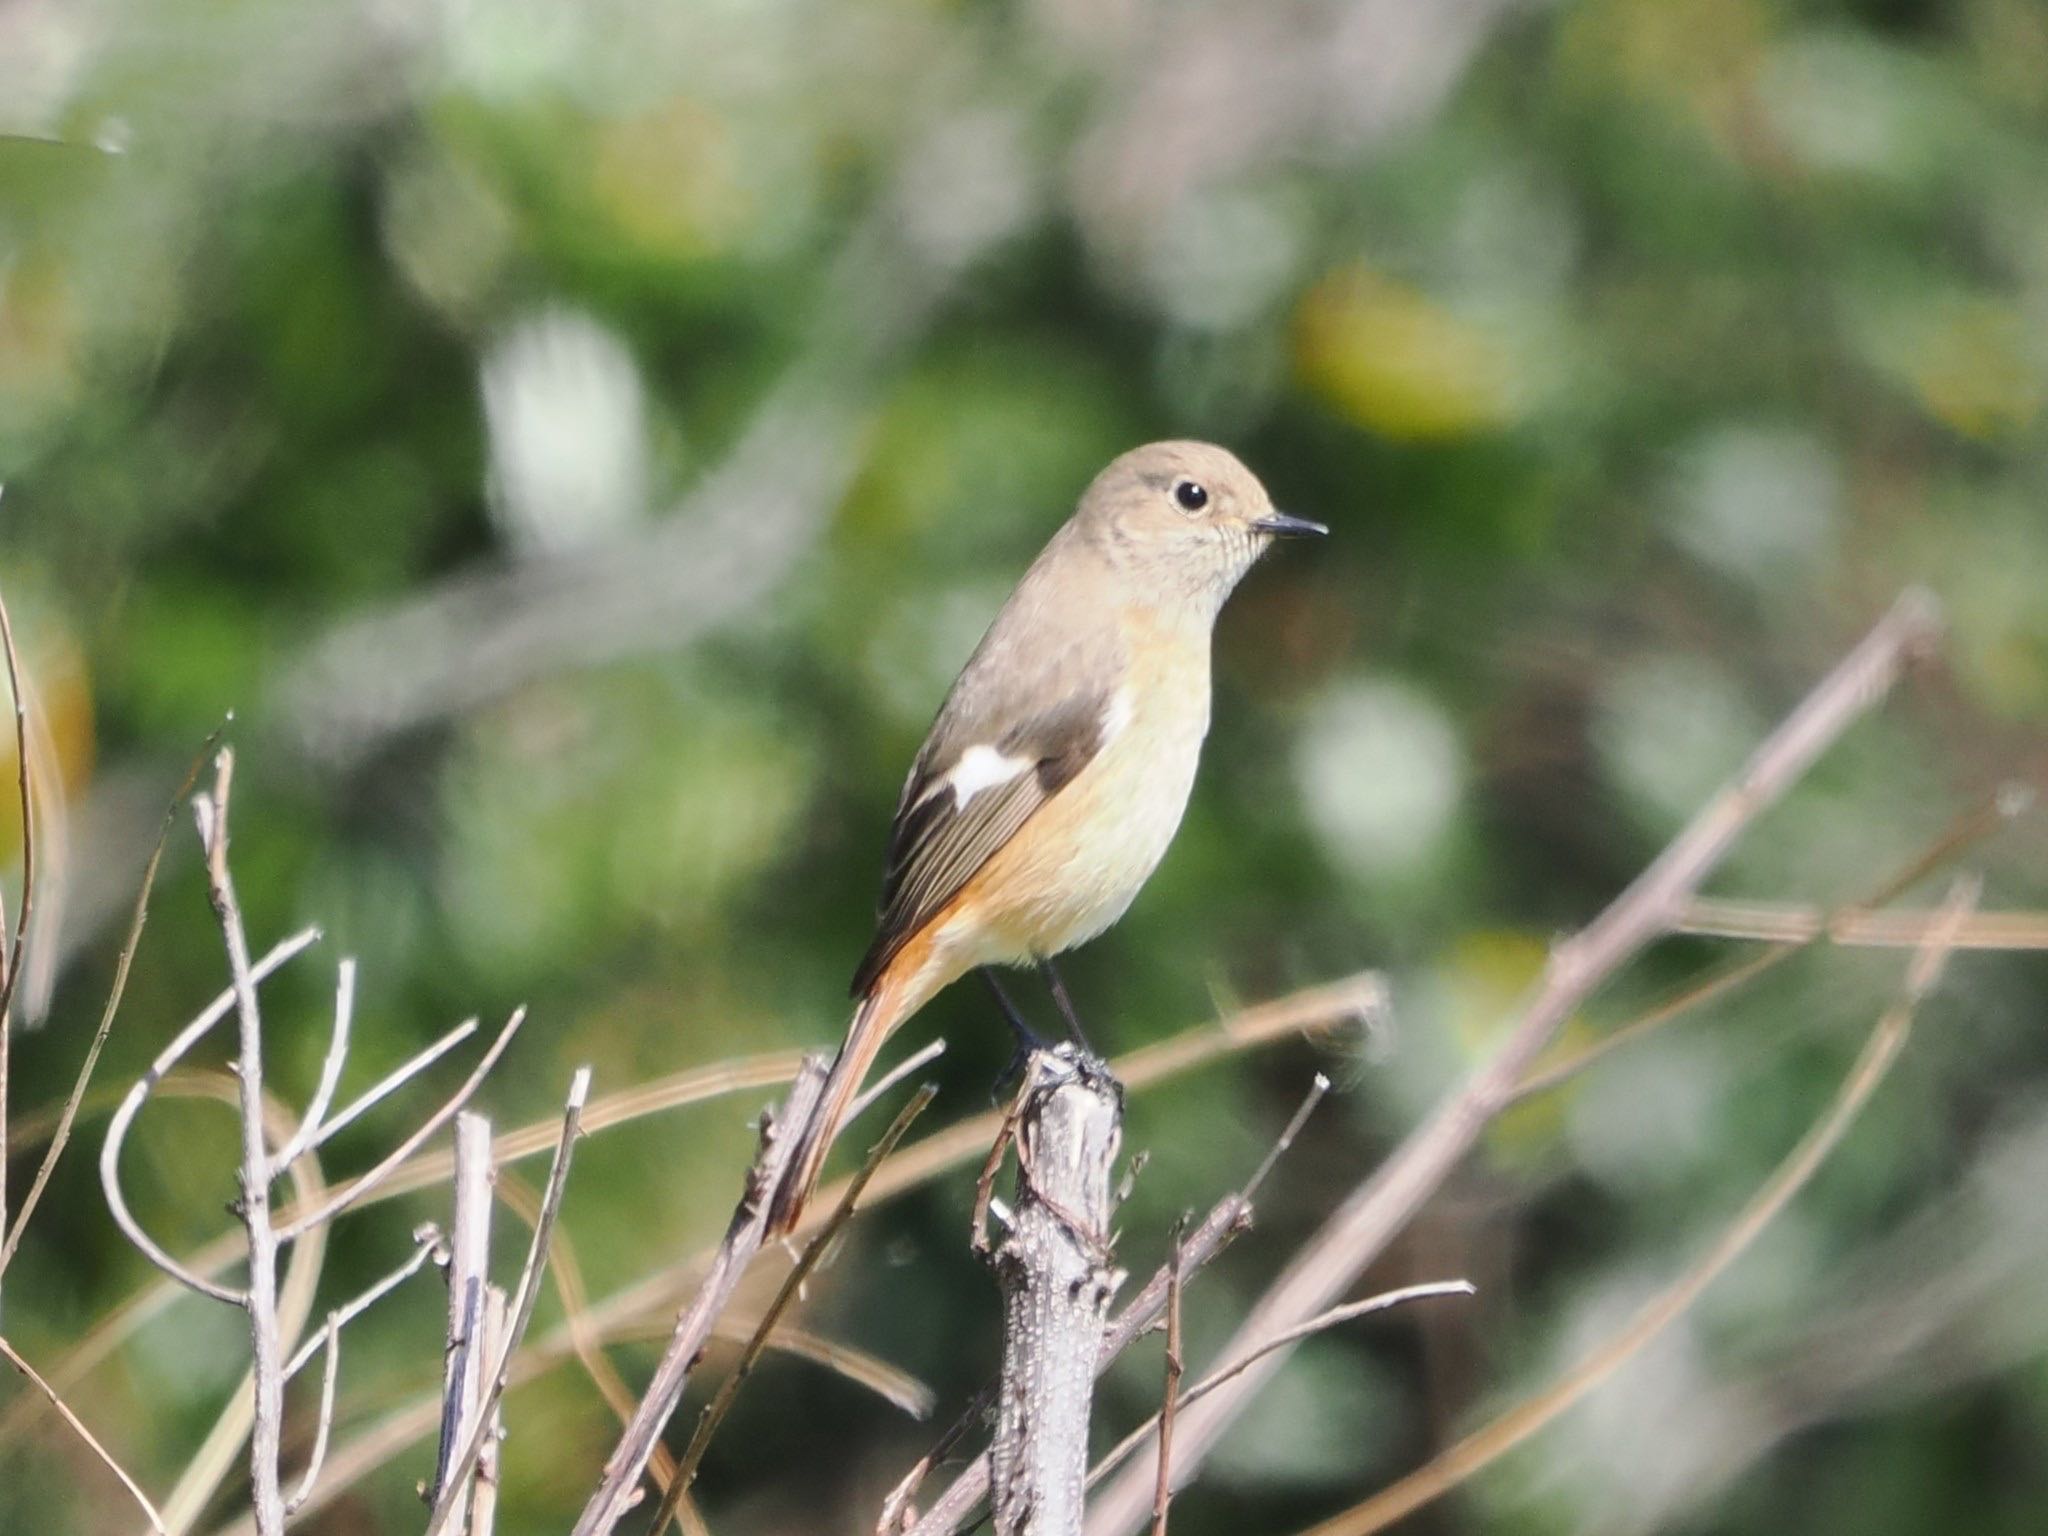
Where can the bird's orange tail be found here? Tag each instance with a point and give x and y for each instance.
(885, 1006)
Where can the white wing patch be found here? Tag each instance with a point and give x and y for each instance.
(981, 767)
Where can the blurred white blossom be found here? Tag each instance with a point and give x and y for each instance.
(1759, 502)
(567, 425)
(1381, 773)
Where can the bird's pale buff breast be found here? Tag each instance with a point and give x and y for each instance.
(1092, 848)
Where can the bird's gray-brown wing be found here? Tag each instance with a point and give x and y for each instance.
(1051, 722)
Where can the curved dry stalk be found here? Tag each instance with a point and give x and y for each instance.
(1485, 1445)
(137, 1096)
(1370, 1217)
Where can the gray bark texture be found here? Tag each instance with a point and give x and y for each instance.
(1056, 1275)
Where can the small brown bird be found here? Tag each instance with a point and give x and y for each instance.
(1057, 770)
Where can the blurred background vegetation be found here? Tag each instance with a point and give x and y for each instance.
(580, 442)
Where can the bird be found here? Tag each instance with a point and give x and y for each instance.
(1057, 770)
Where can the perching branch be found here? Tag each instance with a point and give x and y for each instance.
(1360, 1229)
(1230, 1216)
(1057, 1278)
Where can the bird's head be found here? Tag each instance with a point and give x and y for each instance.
(1184, 520)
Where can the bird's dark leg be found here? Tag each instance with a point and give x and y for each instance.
(1028, 1039)
(1066, 1004)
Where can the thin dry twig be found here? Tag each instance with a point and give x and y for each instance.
(156, 1521)
(879, 1090)
(330, 1376)
(353, 1191)
(1322, 1323)
(525, 1298)
(1323, 1006)
(1359, 1230)
(426, 1238)
(1487, 1444)
(728, 1390)
(744, 1236)
(310, 1124)
(1169, 1403)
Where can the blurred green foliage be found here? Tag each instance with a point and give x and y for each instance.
(580, 443)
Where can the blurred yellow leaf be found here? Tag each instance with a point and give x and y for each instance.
(1486, 976)
(1394, 361)
(1971, 370)
(669, 179)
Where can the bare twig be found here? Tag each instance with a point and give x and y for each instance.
(1169, 1404)
(1791, 1175)
(469, 1271)
(780, 1132)
(310, 1124)
(914, 1062)
(63, 1408)
(363, 1184)
(426, 1237)
(261, 1297)
(1056, 1275)
(524, 1299)
(1327, 1005)
(124, 1117)
(390, 1083)
(729, 1389)
(1359, 1230)
(330, 1376)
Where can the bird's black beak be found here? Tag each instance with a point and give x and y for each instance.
(1281, 526)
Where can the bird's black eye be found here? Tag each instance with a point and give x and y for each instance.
(1191, 496)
